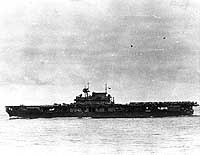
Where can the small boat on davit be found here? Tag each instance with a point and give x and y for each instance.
(102, 105)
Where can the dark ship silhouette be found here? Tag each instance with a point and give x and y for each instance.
(102, 105)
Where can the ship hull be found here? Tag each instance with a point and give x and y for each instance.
(39, 112)
(140, 115)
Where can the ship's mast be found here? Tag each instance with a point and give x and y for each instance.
(86, 91)
(88, 85)
(106, 87)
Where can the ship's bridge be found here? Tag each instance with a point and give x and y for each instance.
(99, 95)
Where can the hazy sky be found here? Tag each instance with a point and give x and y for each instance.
(144, 49)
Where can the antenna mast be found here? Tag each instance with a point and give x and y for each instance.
(88, 86)
(86, 91)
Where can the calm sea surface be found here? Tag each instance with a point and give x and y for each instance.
(171, 135)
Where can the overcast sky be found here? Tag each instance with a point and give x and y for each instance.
(146, 50)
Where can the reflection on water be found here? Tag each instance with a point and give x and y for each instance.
(170, 135)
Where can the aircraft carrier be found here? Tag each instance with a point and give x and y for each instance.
(102, 105)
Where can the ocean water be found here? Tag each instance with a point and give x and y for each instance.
(169, 135)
